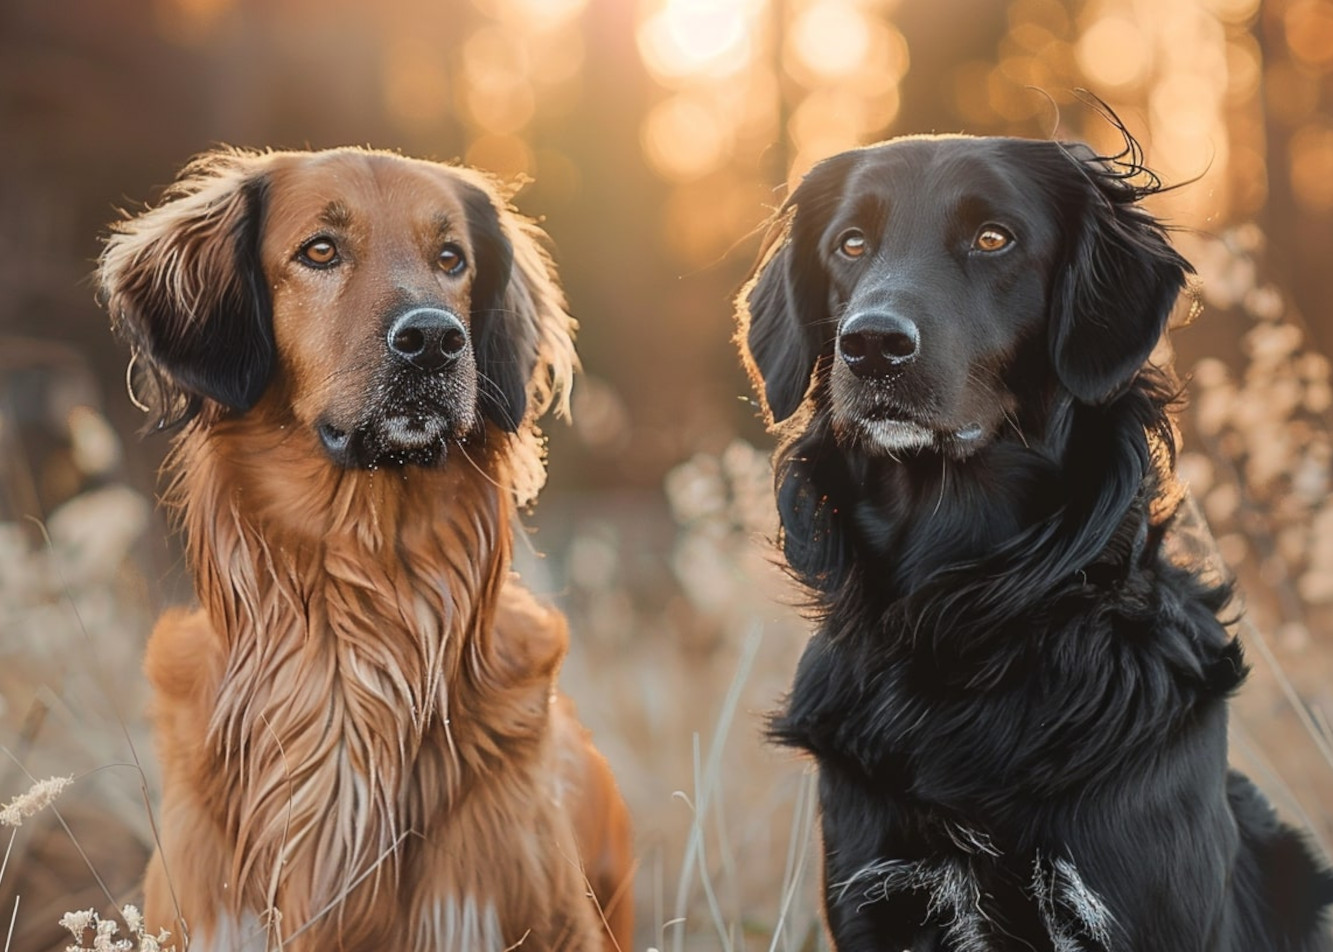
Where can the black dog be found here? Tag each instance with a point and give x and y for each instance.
(1016, 701)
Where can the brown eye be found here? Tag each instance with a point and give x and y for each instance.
(318, 253)
(852, 243)
(992, 238)
(452, 260)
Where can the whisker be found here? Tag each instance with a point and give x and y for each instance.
(490, 388)
(462, 451)
(1018, 428)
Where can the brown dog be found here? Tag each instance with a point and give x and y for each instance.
(361, 741)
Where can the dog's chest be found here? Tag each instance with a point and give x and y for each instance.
(334, 753)
(968, 902)
(456, 922)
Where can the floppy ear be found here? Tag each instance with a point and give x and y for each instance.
(522, 334)
(783, 309)
(184, 286)
(1117, 286)
(778, 348)
(814, 542)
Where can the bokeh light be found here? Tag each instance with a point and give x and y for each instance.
(497, 94)
(831, 37)
(507, 156)
(536, 15)
(1236, 12)
(683, 138)
(833, 120)
(693, 38)
(189, 22)
(1309, 31)
(1291, 92)
(416, 82)
(1312, 164)
(1113, 52)
(1244, 69)
(558, 55)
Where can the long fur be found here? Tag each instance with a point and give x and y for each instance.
(1017, 702)
(361, 740)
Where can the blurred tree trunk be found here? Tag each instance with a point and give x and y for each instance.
(1299, 236)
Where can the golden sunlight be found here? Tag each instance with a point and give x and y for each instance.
(1113, 52)
(831, 37)
(683, 138)
(689, 38)
(416, 82)
(1309, 29)
(1312, 165)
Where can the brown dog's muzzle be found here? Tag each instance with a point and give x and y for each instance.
(422, 396)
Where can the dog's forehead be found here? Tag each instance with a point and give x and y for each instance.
(944, 170)
(351, 188)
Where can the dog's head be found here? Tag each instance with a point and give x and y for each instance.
(922, 282)
(389, 305)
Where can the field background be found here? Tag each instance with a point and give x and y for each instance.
(657, 135)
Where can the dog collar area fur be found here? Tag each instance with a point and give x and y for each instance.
(1075, 918)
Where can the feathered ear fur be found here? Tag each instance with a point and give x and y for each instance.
(521, 332)
(184, 285)
(783, 309)
(1121, 277)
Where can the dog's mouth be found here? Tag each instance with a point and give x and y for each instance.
(417, 438)
(891, 430)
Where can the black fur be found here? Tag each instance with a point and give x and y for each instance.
(504, 371)
(218, 346)
(1016, 701)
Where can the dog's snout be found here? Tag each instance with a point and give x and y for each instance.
(875, 343)
(428, 338)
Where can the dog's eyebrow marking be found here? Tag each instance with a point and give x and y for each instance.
(976, 209)
(442, 225)
(872, 210)
(336, 215)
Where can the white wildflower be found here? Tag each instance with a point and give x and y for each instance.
(155, 943)
(78, 922)
(133, 919)
(105, 939)
(39, 797)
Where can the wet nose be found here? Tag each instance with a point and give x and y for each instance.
(876, 343)
(428, 338)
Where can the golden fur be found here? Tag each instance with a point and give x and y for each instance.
(361, 741)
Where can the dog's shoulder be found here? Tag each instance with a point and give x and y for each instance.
(844, 707)
(1279, 883)
(185, 655)
(531, 637)
(185, 662)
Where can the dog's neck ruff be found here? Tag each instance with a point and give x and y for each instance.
(358, 610)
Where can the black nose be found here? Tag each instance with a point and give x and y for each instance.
(428, 338)
(875, 344)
